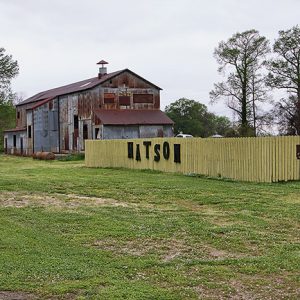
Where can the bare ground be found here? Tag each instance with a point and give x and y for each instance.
(18, 199)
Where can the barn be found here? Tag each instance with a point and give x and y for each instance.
(117, 105)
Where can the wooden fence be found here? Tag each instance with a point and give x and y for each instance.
(263, 159)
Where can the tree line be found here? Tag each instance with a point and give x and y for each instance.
(252, 69)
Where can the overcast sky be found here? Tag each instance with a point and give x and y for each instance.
(168, 42)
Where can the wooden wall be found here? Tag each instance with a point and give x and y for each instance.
(263, 159)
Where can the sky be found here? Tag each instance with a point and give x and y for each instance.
(168, 42)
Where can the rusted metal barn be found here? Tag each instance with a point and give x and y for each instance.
(116, 105)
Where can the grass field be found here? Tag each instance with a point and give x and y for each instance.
(69, 232)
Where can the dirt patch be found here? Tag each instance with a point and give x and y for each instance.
(166, 249)
(249, 288)
(274, 287)
(291, 198)
(17, 199)
(215, 215)
(8, 295)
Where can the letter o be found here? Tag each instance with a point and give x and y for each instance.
(166, 150)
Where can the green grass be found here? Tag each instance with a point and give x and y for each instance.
(70, 232)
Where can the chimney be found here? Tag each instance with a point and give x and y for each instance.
(102, 69)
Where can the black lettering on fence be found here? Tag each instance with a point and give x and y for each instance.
(177, 153)
(166, 150)
(130, 149)
(147, 145)
(156, 151)
(137, 153)
(298, 151)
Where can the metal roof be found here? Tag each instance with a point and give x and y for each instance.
(133, 117)
(102, 62)
(78, 86)
(70, 88)
(42, 102)
(15, 129)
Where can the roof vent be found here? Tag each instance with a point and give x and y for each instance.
(102, 69)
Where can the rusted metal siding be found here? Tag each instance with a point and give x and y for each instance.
(127, 85)
(156, 100)
(21, 115)
(45, 127)
(30, 134)
(69, 108)
(156, 131)
(128, 79)
(129, 98)
(82, 105)
(120, 132)
(79, 107)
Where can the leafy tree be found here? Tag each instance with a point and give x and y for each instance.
(285, 115)
(284, 73)
(193, 117)
(7, 118)
(221, 125)
(8, 70)
(242, 55)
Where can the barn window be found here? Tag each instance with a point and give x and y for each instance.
(14, 141)
(109, 98)
(5, 143)
(142, 98)
(18, 115)
(29, 131)
(97, 131)
(75, 122)
(85, 132)
(124, 100)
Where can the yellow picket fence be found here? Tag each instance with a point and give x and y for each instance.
(262, 159)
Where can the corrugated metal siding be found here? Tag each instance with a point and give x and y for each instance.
(132, 132)
(120, 132)
(21, 121)
(29, 127)
(45, 127)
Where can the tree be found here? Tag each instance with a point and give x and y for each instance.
(284, 73)
(8, 70)
(7, 118)
(285, 116)
(243, 55)
(193, 117)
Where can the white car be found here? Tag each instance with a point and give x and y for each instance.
(184, 135)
